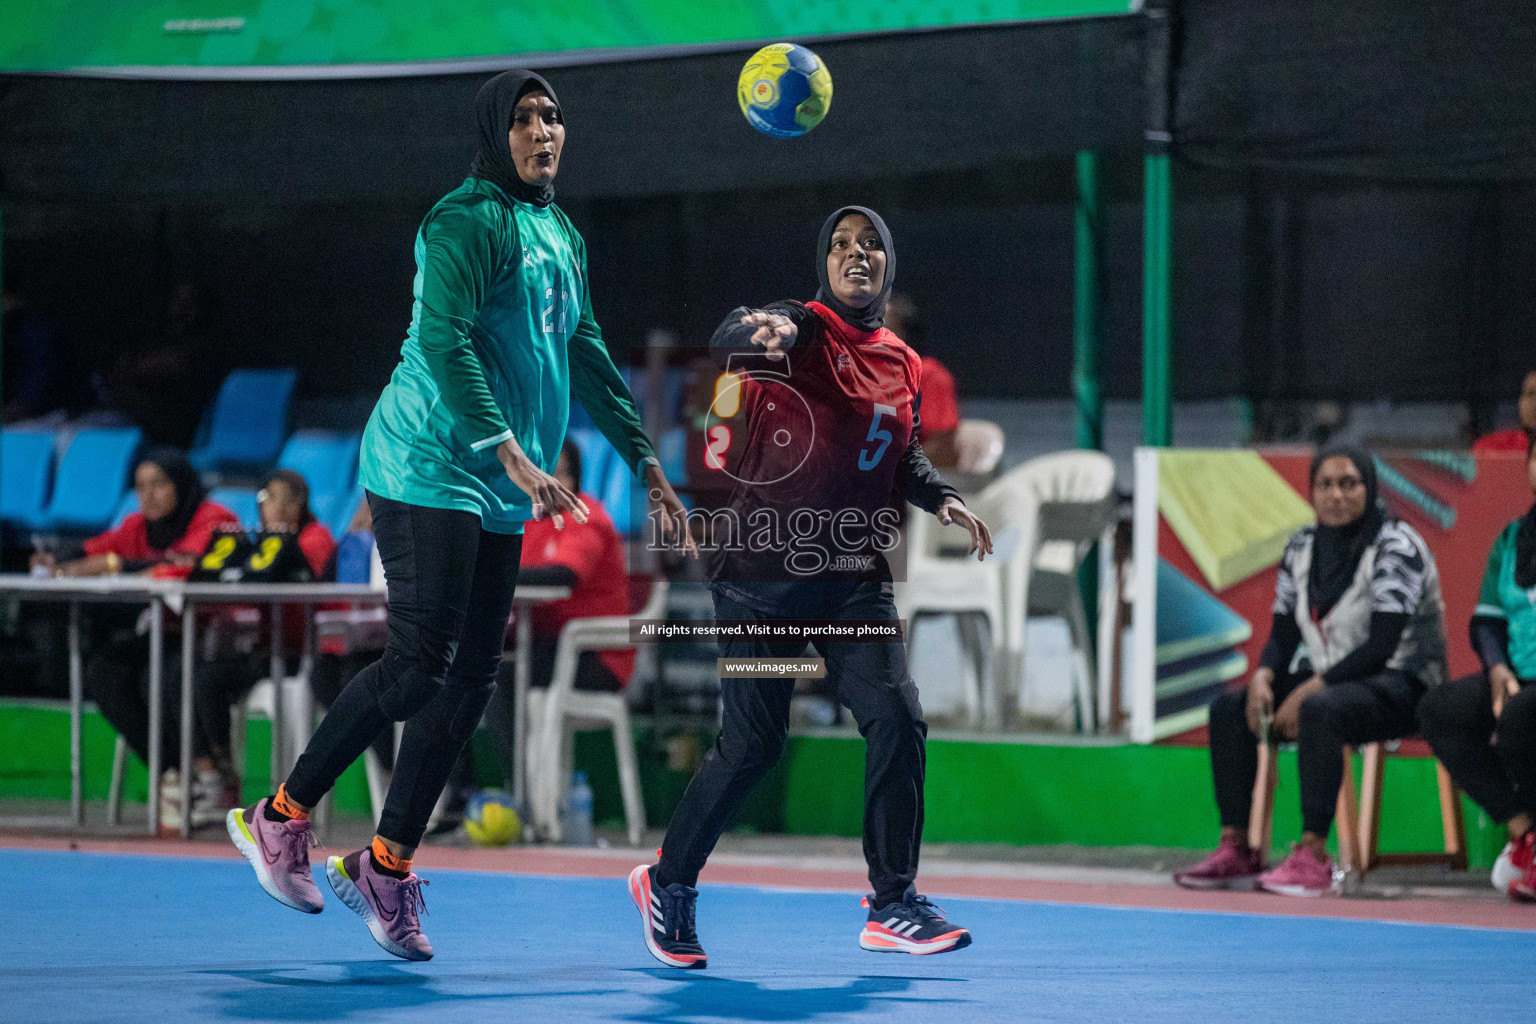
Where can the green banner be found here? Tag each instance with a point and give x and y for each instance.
(59, 35)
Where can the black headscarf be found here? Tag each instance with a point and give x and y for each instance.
(872, 316)
(493, 109)
(170, 528)
(1337, 551)
(1525, 539)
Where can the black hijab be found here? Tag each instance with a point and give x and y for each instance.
(1525, 539)
(872, 316)
(171, 527)
(1337, 551)
(493, 109)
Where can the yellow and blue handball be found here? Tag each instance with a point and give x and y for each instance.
(784, 90)
(490, 819)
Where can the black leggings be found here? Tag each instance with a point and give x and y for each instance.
(1379, 707)
(872, 680)
(1458, 721)
(450, 595)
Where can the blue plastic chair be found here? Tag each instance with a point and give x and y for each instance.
(326, 461)
(623, 495)
(249, 420)
(126, 507)
(26, 469)
(672, 450)
(91, 479)
(336, 508)
(241, 501)
(596, 452)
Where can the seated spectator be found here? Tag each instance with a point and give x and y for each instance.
(222, 682)
(589, 559)
(939, 414)
(1359, 595)
(1518, 438)
(1483, 727)
(174, 525)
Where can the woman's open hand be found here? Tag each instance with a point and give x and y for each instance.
(954, 511)
(774, 331)
(549, 496)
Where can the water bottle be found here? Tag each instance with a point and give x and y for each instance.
(578, 818)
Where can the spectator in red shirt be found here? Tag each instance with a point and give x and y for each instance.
(940, 410)
(173, 526)
(589, 558)
(1514, 439)
(174, 523)
(222, 682)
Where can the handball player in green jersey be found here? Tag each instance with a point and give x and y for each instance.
(457, 455)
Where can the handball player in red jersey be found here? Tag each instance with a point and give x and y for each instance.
(831, 401)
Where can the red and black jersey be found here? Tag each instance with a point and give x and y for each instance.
(829, 460)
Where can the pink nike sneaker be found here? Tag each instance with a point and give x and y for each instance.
(1300, 874)
(279, 851)
(1233, 866)
(387, 905)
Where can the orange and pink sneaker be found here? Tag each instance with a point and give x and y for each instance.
(910, 925)
(389, 906)
(666, 914)
(1300, 874)
(279, 852)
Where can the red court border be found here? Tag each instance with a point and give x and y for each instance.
(548, 861)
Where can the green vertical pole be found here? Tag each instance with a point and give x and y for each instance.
(1087, 346)
(1088, 299)
(1156, 304)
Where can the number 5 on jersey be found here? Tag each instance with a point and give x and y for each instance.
(868, 459)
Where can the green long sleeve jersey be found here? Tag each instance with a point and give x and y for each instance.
(1502, 598)
(501, 335)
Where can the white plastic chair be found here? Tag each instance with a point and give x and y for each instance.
(1056, 507)
(560, 711)
(941, 579)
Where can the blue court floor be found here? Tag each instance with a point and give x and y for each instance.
(99, 938)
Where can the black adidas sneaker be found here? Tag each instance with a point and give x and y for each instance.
(914, 925)
(667, 915)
